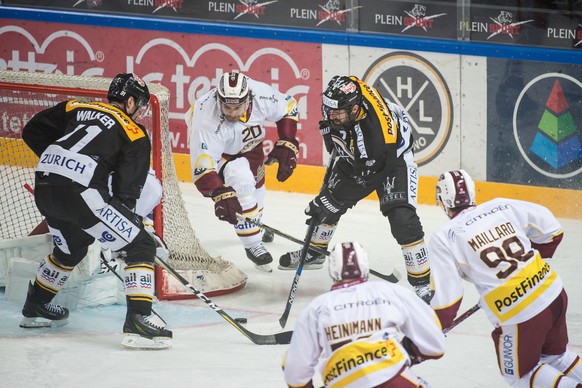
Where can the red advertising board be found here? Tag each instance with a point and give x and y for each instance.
(188, 65)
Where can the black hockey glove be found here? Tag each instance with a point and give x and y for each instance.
(226, 204)
(325, 209)
(325, 130)
(285, 153)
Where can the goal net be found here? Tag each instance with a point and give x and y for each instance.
(22, 95)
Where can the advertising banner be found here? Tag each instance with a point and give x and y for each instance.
(188, 65)
(497, 22)
(534, 123)
(320, 14)
(427, 86)
(423, 19)
(527, 27)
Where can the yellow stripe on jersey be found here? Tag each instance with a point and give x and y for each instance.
(387, 123)
(204, 164)
(292, 110)
(140, 266)
(132, 130)
(509, 299)
(357, 359)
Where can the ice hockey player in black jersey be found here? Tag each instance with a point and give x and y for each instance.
(373, 141)
(81, 146)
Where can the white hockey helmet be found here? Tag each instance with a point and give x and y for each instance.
(233, 88)
(455, 189)
(348, 261)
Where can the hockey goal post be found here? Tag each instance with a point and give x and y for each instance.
(22, 94)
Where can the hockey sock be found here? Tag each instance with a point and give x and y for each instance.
(417, 264)
(322, 235)
(249, 234)
(544, 375)
(139, 287)
(50, 278)
(568, 363)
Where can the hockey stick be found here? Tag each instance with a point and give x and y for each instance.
(461, 318)
(111, 269)
(394, 277)
(306, 242)
(259, 339)
(291, 297)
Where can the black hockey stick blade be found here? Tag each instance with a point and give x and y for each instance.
(461, 318)
(394, 277)
(259, 339)
(291, 297)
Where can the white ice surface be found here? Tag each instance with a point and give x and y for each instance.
(209, 352)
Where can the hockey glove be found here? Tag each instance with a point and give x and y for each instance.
(226, 204)
(412, 351)
(285, 153)
(325, 209)
(325, 130)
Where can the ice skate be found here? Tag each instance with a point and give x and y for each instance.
(268, 236)
(260, 256)
(38, 314)
(146, 332)
(424, 292)
(290, 261)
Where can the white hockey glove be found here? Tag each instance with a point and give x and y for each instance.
(162, 251)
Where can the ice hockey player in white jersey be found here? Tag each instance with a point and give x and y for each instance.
(227, 129)
(362, 334)
(501, 246)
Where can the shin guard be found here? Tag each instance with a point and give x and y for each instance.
(417, 264)
(50, 278)
(139, 287)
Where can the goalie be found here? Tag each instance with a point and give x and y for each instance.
(80, 145)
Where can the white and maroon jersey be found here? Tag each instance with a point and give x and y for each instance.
(356, 333)
(211, 135)
(490, 245)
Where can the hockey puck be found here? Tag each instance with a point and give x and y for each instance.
(241, 321)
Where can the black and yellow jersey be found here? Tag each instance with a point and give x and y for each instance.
(380, 135)
(87, 142)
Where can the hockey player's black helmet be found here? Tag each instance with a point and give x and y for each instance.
(125, 85)
(342, 92)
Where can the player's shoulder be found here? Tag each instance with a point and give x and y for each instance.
(263, 92)
(208, 98)
(258, 86)
(505, 203)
